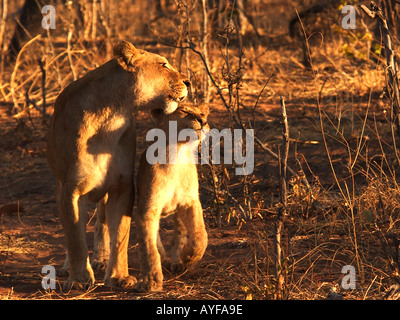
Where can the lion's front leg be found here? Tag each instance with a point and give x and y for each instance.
(161, 249)
(74, 224)
(101, 251)
(147, 225)
(196, 244)
(118, 215)
(179, 241)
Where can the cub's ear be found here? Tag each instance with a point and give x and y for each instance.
(157, 115)
(125, 52)
(204, 108)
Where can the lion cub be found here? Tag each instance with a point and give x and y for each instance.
(171, 188)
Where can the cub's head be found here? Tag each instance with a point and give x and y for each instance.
(156, 83)
(186, 117)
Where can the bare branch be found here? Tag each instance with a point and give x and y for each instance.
(370, 13)
(192, 47)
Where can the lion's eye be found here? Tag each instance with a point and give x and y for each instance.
(165, 65)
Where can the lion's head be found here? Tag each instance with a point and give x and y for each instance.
(186, 117)
(157, 83)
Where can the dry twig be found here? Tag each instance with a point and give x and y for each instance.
(282, 212)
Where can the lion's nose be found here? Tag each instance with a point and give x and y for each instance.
(187, 83)
(202, 121)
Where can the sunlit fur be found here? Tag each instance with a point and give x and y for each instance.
(91, 150)
(170, 188)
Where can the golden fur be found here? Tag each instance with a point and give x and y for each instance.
(167, 188)
(91, 150)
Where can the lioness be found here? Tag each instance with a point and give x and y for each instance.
(91, 150)
(170, 188)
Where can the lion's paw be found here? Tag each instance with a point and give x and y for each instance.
(174, 266)
(99, 265)
(144, 286)
(125, 282)
(82, 283)
(178, 267)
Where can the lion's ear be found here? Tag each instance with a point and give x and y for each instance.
(125, 51)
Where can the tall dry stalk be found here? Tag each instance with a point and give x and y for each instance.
(94, 21)
(4, 12)
(44, 104)
(4, 7)
(69, 48)
(282, 212)
(106, 16)
(204, 48)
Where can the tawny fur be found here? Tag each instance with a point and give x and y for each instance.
(91, 150)
(166, 188)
